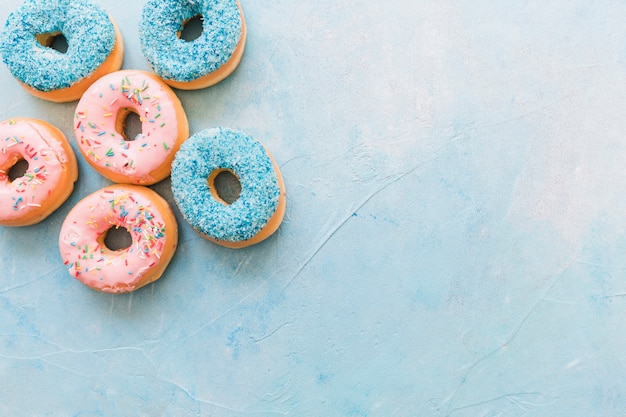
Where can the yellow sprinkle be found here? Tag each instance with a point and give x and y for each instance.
(120, 198)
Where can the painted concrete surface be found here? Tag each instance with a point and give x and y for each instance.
(454, 242)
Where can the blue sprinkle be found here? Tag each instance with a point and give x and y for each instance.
(17, 202)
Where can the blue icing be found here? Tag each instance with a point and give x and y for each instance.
(175, 59)
(219, 149)
(90, 37)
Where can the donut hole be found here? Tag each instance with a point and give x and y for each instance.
(19, 168)
(117, 238)
(53, 40)
(191, 29)
(224, 186)
(129, 124)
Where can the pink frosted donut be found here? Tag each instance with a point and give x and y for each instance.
(49, 179)
(100, 119)
(143, 213)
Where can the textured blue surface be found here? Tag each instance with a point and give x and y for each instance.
(454, 242)
(173, 58)
(218, 149)
(86, 26)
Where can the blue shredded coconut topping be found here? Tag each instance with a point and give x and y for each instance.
(89, 32)
(219, 149)
(175, 59)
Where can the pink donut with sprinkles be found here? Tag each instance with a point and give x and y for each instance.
(100, 120)
(37, 171)
(148, 219)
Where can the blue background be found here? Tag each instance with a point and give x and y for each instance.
(454, 242)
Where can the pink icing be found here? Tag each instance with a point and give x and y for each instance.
(95, 124)
(99, 267)
(45, 156)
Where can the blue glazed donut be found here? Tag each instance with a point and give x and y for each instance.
(200, 63)
(260, 208)
(95, 47)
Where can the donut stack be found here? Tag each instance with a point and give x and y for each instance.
(89, 70)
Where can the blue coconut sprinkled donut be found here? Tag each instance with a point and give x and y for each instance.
(199, 63)
(260, 207)
(94, 47)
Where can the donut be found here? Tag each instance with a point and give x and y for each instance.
(143, 213)
(99, 123)
(95, 47)
(200, 63)
(46, 183)
(260, 207)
